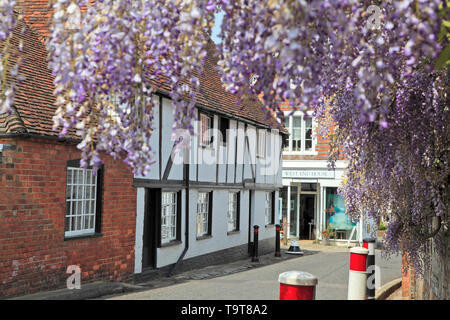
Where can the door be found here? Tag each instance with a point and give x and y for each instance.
(151, 227)
(307, 209)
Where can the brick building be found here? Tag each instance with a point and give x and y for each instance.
(309, 197)
(38, 241)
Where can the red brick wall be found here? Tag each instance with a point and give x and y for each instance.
(33, 253)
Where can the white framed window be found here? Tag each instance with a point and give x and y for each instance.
(301, 139)
(286, 139)
(205, 130)
(296, 133)
(168, 216)
(261, 143)
(203, 213)
(268, 208)
(81, 202)
(308, 134)
(233, 211)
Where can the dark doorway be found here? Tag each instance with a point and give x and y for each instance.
(307, 204)
(151, 227)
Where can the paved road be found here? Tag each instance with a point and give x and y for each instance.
(330, 266)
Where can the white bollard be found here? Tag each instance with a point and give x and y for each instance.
(357, 277)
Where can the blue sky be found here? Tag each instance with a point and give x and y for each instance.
(216, 28)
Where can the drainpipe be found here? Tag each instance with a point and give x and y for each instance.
(186, 233)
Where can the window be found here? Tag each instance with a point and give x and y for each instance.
(308, 134)
(83, 200)
(285, 138)
(205, 130)
(296, 133)
(224, 125)
(204, 213)
(233, 211)
(301, 137)
(270, 208)
(261, 143)
(336, 216)
(309, 187)
(169, 217)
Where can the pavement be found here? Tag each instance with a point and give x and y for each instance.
(105, 290)
(396, 295)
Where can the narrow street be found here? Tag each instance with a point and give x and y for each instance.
(329, 264)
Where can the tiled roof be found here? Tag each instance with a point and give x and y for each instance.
(34, 103)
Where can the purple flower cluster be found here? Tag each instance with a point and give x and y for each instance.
(373, 71)
(7, 25)
(105, 65)
(402, 171)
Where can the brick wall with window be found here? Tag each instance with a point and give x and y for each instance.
(48, 222)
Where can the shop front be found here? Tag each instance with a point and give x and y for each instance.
(310, 204)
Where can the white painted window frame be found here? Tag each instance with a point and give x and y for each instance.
(303, 134)
(78, 207)
(169, 216)
(205, 133)
(203, 213)
(232, 217)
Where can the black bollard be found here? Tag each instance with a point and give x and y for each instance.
(277, 241)
(255, 257)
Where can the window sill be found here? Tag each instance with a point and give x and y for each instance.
(204, 237)
(171, 243)
(83, 236)
(230, 233)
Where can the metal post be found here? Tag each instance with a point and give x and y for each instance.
(277, 241)
(297, 285)
(255, 257)
(369, 244)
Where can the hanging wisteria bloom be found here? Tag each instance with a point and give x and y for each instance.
(370, 66)
(105, 65)
(7, 26)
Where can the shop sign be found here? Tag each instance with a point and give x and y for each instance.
(311, 174)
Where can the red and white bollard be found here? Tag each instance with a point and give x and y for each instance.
(369, 244)
(357, 277)
(297, 285)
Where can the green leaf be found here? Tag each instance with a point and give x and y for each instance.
(444, 58)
